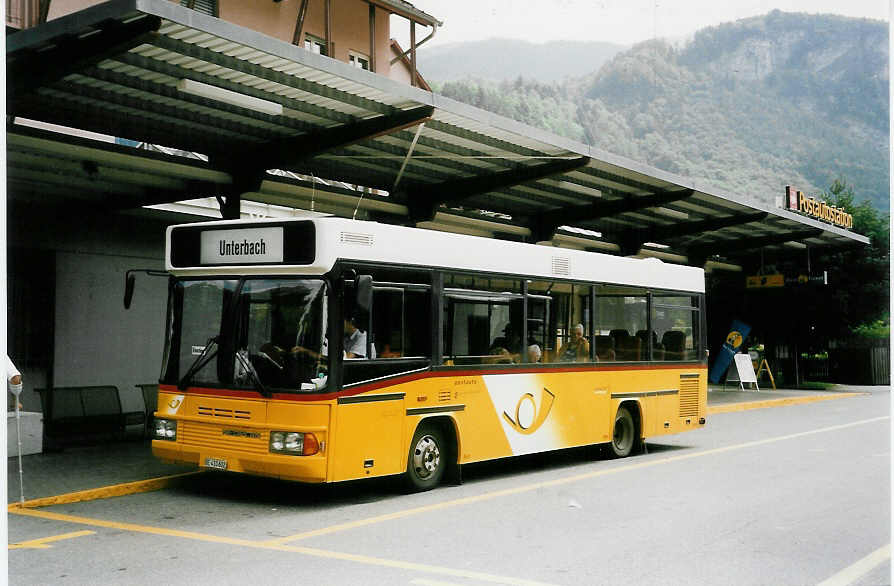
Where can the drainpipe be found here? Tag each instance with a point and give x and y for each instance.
(413, 46)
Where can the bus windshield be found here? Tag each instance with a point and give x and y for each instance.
(254, 333)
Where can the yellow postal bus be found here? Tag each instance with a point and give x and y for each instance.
(326, 349)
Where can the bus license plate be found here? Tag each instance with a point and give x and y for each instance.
(219, 463)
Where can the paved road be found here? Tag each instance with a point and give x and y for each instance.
(792, 495)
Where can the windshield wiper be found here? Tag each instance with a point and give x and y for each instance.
(200, 362)
(243, 359)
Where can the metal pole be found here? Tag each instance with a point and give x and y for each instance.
(19, 439)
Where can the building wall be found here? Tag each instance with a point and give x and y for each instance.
(95, 341)
(350, 29)
(350, 23)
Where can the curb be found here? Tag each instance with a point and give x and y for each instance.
(105, 492)
(779, 402)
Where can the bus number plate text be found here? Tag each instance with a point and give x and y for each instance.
(218, 463)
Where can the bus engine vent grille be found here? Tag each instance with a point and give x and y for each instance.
(226, 413)
(689, 396)
(357, 238)
(561, 265)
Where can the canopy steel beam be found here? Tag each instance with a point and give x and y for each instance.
(289, 152)
(544, 226)
(136, 125)
(423, 201)
(631, 241)
(33, 68)
(723, 248)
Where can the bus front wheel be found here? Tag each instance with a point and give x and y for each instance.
(428, 458)
(624, 436)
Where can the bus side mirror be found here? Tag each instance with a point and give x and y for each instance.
(129, 281)
(363, 288)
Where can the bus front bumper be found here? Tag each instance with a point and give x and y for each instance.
(311, 469)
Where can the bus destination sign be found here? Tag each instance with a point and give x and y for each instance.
(243, 246)
(796, 201)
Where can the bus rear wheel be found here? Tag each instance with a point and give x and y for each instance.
(428, 458)
(624, 436)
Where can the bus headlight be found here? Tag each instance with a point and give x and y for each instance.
(165, 429)
(293, 443)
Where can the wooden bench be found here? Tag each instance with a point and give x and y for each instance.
(79, 414)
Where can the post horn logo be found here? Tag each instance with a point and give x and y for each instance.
(174, 403)
(734, 339)
(528, 416)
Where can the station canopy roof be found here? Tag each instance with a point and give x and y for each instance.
(277, 124)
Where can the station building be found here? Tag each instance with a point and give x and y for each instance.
(128, 116)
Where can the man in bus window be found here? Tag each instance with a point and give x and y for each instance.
(577, 349)
(355, 341)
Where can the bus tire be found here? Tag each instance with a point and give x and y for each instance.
(428, 458)
(624, 433)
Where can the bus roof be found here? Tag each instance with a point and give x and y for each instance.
(331, 239)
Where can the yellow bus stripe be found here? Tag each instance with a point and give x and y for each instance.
(783, 402)
(557, 482)
(43, 541)
(362, 559)
(105, 491)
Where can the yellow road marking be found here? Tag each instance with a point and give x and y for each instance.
(362, 559)
(105, 491)
(281, 544)
(854, 572)
(43, 541)
(783, 402)
(552, 483)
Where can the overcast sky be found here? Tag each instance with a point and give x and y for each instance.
(623, 22)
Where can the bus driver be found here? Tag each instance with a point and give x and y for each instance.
(355, 341)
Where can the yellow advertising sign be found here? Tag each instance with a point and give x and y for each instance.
(762, 281)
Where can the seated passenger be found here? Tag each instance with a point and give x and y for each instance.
(577, 349)
(355, 342)
(534, 353)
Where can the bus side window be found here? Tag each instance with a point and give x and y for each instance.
(401, 322)
(621, 319)
(675, 319)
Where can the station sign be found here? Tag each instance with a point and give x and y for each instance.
(796, 201)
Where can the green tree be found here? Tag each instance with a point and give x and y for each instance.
(862, 286)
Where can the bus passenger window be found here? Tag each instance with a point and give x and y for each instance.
(621, 323)
(675, 321)
(483, 320)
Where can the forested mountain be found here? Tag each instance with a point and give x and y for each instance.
(506, 59)
(750, 107)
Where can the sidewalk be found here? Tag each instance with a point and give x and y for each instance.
(89, 467)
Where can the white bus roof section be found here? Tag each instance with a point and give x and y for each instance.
(342, 239)
(117, 69)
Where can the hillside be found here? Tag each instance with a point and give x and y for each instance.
(751, 106)
(545, 62)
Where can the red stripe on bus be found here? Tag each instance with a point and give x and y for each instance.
(403, 379)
